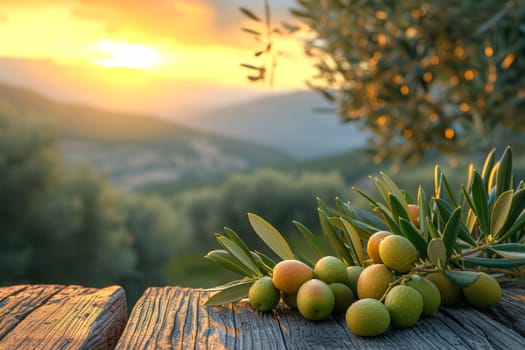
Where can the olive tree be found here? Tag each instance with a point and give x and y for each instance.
(419, 74)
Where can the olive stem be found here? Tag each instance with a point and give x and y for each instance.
(471, 251)
(392, 285)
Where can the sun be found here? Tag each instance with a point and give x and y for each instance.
(126, 55)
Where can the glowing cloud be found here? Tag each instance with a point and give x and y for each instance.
(126, 55)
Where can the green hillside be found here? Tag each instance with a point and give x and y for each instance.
(137, 150)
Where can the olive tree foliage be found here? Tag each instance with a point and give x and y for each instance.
(158, 239)
(67, 224)
(28, 171)
(55, 226)
(420, 74)
(278, 196)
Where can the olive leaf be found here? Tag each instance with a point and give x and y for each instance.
(304, 14)
(500, 212)
(451, 231)
(462, 279)
(488, 165)
(449, 191)
(431, 228)
(367, 197)
(479, 202)
(504, 175)
(249, 14)
(263, 261)
(519, 225)
(470, 177)
(251, 31)
(445, 211)
(225, 259)
(513, 251)
(355, 241)
(424, 212)
(436, 251)
(516, 209)
(363, 221)
(245, 259)
(230, 294)
(270, 236)
(311, 239)
(392, 224)
(496, 263)
(381, 187)
(237, 240)
(334, 239)
(437, 184)
(398, 210)
(412, 234)
(395, 190)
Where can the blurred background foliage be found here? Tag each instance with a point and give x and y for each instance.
(68, 224)
(421, 74)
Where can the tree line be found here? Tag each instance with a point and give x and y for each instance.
(68, 224)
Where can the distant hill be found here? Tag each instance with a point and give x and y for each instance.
(138, 150)
(122, 89)
(287, 122)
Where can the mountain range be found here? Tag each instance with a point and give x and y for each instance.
(285, 120)
(137, 150)
(289, 122)
(140, 149)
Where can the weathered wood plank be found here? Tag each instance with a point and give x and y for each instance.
(216, 327)
(11, 290)
(73, 318)
(170, 318)
(175, 318)
(457, 328)
(479, 331)
(256, 330)
(510, 310)
(18, 301)
(157, 313)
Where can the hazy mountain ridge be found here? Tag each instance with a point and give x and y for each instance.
(122, 89)
(284, 121)
(137, 150)
(288, 122)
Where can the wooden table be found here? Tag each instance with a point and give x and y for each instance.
(74, 317)
(175, 318)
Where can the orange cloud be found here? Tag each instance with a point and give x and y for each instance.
(181, 21)
(196, 22)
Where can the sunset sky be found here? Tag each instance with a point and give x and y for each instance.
(125, 43)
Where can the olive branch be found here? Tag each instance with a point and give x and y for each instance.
(479, 227)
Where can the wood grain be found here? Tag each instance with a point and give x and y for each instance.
(16, 302)
(175, 318)
(510, 310)
(58, 317)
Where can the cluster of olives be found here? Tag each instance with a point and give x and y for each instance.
(316, 293)
(390, 294)
(387, 292)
